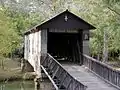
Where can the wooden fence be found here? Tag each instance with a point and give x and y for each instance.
(103, 70)
(60, 78)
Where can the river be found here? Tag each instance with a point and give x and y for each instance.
(25, 85)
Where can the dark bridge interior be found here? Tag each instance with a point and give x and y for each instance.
(65, 46)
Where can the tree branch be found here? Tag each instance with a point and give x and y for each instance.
(114, 11)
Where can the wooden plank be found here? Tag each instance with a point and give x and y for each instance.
(63, 31)
(55, 72)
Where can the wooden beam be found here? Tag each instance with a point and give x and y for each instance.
(55, 86)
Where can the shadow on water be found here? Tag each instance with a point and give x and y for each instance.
(25, 85)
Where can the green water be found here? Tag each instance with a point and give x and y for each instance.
(24, 85)
(17, 85)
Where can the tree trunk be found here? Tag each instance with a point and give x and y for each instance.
(98, 56)
(105, 48)
(99, 51)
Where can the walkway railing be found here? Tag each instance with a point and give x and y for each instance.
(103, 70)
(59, 77)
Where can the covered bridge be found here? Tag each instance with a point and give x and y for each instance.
(65, 36)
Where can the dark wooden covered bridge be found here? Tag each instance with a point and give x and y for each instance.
(60, 49)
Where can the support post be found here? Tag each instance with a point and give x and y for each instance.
(86, 42)
(22, 65)
(44, 35)
(37, 83)
(44, 41)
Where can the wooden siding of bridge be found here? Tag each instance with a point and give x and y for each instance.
(32, 51)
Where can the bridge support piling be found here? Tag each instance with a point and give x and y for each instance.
(22, 65)
(37, 83)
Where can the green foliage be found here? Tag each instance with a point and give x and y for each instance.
(104, 15)
(12, 26)
(8, 39)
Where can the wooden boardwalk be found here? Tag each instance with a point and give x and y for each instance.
(86, 77)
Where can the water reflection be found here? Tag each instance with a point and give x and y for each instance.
(17, 85)
(25, 85)
(45, 85)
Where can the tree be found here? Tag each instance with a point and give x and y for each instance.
(8, 37)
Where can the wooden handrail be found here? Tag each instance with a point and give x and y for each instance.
(66, 80)
(55, 60)
(105, 71)
(55, 86)
(63, 68)
(102, 63)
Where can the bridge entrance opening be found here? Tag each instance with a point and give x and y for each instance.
(65, 46)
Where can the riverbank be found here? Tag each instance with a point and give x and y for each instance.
(12, 71)
(15, 75)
